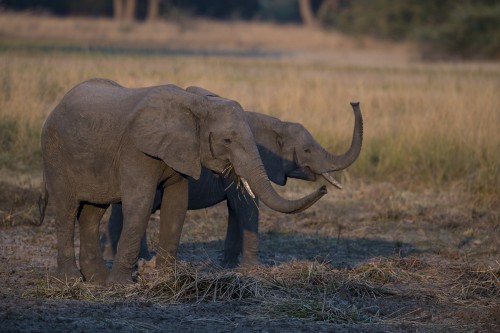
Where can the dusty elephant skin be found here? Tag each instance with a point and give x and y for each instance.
(286, 149)
(105, 143)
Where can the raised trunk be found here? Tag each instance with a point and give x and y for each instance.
(260, 184)
(340, 162)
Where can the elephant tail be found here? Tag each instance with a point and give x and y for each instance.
(43, 200)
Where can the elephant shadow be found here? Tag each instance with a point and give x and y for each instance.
(278, 248)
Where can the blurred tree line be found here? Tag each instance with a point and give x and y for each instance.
(443, 28)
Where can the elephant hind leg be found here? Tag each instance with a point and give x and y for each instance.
(65, 228)
(91, 261)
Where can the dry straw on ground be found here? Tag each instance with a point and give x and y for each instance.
(313, 291)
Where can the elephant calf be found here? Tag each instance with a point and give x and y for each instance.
(287, 150)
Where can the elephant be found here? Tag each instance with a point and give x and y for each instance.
(286, 149)
(105, 143)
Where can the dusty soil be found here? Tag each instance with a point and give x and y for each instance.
(373, 257)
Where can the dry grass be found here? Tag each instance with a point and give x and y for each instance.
(305, 290)
(183, 32)
(424, 124)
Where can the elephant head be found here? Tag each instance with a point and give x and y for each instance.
(298, 154)
(290, 150)
(222, 142)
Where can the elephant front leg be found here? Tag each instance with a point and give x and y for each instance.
(136, 212)
(234, 240)
(115, 226)
(172, 214)
(242, 230)
(250, 226)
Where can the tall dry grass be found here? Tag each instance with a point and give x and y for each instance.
(424, 124)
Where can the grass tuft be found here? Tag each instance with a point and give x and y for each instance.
(475, 283)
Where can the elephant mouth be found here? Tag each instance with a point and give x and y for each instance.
(241, 183)
(306, 173)
(303, 173)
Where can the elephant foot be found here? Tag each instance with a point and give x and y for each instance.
(97, 274)
(66, 274)
(119, 278)
(246, 263)
(230, 262)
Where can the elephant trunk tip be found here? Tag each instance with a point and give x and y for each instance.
(353, 104)
(323, 190)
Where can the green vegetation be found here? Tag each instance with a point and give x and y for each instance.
(444, 29)
(471, 32)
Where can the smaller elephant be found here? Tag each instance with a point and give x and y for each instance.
(287, 150)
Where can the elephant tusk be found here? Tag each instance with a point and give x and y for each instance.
(247, 187)
(331, 180)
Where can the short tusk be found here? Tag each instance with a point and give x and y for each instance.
(331, 180)
(247, 187)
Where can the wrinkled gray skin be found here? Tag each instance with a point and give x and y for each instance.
(105, 144)
(286, 149)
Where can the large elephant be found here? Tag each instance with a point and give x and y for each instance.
(105, 143)
(287, 150)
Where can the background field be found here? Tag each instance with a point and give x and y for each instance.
(411, 243)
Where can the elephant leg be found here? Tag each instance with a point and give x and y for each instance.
(115, 226)
(67, 208)
(91, 261)
(172, 214)
(144, 252)
(242, 230)
(249, 224)
(136, 214)
(233, 244)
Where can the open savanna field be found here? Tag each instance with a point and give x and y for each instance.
(409, 244)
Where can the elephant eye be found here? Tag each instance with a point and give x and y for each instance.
(307, 150)
(227, 141)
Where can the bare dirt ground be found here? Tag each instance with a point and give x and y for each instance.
(373, 257)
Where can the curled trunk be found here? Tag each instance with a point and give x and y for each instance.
(339, 162)
(262, 187)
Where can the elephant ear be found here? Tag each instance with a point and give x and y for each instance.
(269, 143)
(273, 163)
(164, 126)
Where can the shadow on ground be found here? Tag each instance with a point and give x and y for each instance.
(277, 248)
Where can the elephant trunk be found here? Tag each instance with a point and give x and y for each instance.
(339, 162)
(260, 184)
